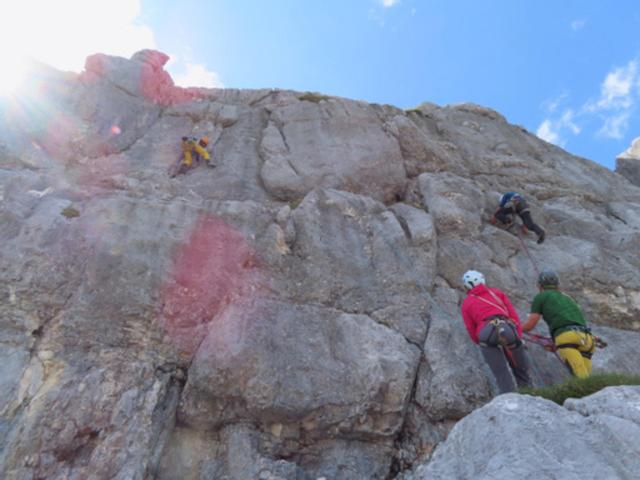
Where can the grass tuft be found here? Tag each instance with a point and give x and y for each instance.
(581, 387)
(313, 97)
(293, 204)
(70, 212)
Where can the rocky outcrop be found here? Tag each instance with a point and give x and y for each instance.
(628, 163)
(292, 312)
(312, 144)
(594, 437)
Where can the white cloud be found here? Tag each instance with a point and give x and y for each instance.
(618, 87)
(197, 75)
(552, 130)
(615, 126)
(62, 33)
(613, 108)
(566, 121)
(578, 24)
(378, 15)
(619, 94)
(551, 104)
(547, 133)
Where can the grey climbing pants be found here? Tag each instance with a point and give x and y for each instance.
(504, 352)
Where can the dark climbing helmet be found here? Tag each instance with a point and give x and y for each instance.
(548, 278)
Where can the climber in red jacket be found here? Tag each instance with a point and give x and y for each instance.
(493, 323)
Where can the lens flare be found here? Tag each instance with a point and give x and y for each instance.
(13, 73)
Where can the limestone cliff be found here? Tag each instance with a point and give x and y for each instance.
(628, 162)
(291, 313)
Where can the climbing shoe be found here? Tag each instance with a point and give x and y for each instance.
(541, 237)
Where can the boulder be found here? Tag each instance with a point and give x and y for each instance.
(594, 437)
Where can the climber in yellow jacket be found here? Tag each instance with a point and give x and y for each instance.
(191, 147)
(573, 339)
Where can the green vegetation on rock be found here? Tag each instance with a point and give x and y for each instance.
(293, 204)
(70, 212)
(313, 97)
(581, 387)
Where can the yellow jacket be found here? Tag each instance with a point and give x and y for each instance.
(189, 146)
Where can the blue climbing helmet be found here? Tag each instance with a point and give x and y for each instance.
(510, 197)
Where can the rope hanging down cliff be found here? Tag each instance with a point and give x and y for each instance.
(521, 229)
(526, 250)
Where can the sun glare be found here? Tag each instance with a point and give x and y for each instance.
(62, 33)
(13, 72)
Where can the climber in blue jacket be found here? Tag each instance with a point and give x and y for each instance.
(512, 203)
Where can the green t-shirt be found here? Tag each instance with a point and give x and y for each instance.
(558, 310)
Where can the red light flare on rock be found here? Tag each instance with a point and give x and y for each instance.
(150, 80)
(213, 268)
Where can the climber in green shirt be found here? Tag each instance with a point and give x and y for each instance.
(573, 340)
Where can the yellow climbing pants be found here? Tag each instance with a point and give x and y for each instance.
(187, 149)
(576, 348)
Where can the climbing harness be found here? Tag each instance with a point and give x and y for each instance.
(600, 343)
(548, 341)
(548, 344)
(500, 323)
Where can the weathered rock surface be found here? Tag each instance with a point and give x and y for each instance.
(518, 436)
(291, 313)
(628, 163)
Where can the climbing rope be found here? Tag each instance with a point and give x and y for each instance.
(526, 250)
(545, 342)
(508, 227)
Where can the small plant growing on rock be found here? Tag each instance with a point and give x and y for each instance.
(70, 212)
(581, 387)
(313, 97)
(293, 204)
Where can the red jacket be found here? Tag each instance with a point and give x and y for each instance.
(475, 311)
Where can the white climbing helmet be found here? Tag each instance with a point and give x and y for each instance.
(472, 279)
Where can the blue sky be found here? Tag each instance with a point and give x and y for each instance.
(567, 70)
(543, 64)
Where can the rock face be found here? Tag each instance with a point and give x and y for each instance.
(292, 313)
(594, 437)
(628, 163)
